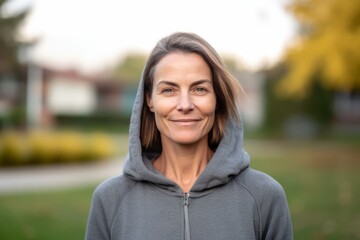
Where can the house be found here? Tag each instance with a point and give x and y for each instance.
(54, 93)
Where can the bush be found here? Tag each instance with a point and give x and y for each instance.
(13, 149)
(40, 147)
(71, 146)
(100, 146)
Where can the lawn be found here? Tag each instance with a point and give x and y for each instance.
(56, 215)
(321, 180)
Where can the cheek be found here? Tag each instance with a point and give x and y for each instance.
(208, 106)
(210, 112)
(161, 106)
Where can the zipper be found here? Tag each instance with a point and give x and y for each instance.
(186, 216)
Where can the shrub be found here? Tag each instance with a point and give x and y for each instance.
(71, 146)
(13, 149)
(44, 147)
(100, 146)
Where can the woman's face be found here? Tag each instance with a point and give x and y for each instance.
(183, 99)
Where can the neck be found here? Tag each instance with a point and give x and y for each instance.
(183, 163)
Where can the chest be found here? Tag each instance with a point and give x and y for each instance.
(219, 215)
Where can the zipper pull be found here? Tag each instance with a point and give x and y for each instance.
(186, 199)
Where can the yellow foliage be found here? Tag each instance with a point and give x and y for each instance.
(12, 148)
(42, 147)
(100, 146)
(329, 47)
(71, 146)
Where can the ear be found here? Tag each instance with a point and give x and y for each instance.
(149, 102)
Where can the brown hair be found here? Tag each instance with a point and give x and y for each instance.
(227, 89)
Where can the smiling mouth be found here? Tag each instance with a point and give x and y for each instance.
(185, 120)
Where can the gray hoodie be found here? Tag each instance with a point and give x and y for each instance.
(228, 201)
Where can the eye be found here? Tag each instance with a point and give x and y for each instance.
(167, 90)
(201, 90)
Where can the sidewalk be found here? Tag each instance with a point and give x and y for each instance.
(39, 178)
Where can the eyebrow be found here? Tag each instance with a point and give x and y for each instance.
(192, 84)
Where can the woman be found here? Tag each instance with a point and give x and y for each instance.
(187, 175)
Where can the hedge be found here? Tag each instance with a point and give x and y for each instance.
(44, 147)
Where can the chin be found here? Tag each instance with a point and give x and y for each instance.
(188, 139)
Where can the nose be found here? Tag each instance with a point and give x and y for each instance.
(185, 103)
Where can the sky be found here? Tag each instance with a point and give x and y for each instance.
(90, 35)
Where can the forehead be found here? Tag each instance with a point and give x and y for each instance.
(180, 56)
(179, 64)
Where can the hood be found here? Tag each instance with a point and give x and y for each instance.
(229, 158)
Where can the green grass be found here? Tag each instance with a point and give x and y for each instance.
(321, 180)
(56, 215)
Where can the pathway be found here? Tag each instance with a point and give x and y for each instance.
(38, 178)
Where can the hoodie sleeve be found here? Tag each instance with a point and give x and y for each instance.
(275, 214)
(97, 227)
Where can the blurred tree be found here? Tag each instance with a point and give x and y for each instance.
(11, 70)
(129, 69)
(316, 107)
(327, 49)
(9, 26)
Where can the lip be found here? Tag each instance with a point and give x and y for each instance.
(185, 122)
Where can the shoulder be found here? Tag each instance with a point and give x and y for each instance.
(111, 191)
(272, 207)
(105, 201)
(260, 185)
